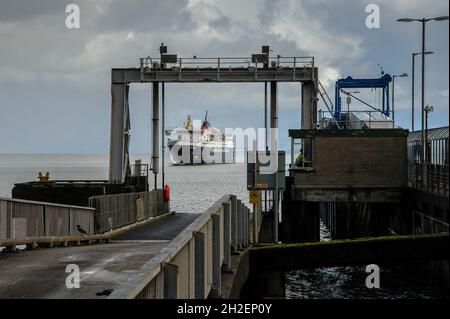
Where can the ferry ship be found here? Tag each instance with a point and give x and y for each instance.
(200, 145)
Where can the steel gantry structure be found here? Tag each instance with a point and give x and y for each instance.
(168, 68)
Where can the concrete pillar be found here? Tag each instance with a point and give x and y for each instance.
(309, 113)
(248, 225)
(9, 218)
(119, 133)
(170, 281)
(155, 130)
(234, 231)
(301, 222)
(216, 280)
(265, 284)
(239, 224)
(199, 265)
(274, 150)
(309, 105)
(247, 222)
(226, 236)
(244, 226)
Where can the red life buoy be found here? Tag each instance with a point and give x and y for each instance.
(166, 193)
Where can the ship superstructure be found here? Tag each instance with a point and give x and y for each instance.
(202, 144)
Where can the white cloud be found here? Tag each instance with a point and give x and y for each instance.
(37, 50)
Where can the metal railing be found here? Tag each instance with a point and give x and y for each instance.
(424, 224)
(137, 170)
(207, 244)
(429, 177)
(20, 219)
(437, 151)
(226, 66)
(218, 63)
(357, 120)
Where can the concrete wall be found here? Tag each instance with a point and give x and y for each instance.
(353, 161)
(22, 218)
(192, 263)
(117, 210)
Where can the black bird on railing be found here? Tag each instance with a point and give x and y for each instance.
(81, 230)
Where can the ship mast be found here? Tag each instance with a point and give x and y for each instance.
(189, 123)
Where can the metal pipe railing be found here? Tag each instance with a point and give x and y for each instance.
(34, 242)
(367, 120)
(221, 63)
(432, 178)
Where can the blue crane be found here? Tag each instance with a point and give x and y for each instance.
(349, 82)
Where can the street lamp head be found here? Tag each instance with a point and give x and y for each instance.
(406, 20)
(429, 109)
(426, 53)
(441, 18)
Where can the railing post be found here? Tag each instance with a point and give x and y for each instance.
(216, 262)
(199, 267)
(218, 69)
(245, 224)
(248, 227)
(234, 222)
(239, 224)
(170, 281)
(226, 236)
(9, 217)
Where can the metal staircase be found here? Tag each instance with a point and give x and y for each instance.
(326, 100)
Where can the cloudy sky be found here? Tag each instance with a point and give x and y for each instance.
(55, 82)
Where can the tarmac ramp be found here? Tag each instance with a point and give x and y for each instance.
(42, 273)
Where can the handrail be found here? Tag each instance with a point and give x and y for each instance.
(223, 62)
(26, 201)
(12, 243)
(369, 121)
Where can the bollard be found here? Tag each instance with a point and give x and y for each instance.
(199, 265)
(170, 281)
(216, 280)
(234, 215)
(226, 266)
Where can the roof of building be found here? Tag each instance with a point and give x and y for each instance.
(433, 134)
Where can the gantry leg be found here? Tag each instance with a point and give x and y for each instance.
(155, 131)
(119, 135)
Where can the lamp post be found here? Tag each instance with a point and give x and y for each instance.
(423, 21)
(414, 54)
(393, 91)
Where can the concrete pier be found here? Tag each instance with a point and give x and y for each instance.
(177, 256)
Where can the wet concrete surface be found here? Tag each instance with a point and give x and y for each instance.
(164, 229)
(42, 273)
